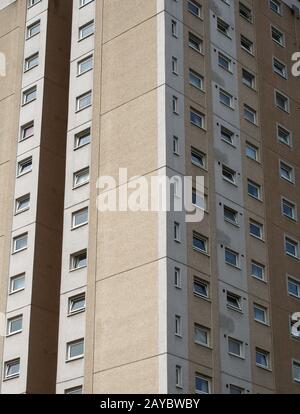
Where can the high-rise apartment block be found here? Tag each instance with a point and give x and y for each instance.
(144, 301)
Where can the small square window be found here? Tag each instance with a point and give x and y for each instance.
(284, 136)
(202, 384)
(78, 260)
(196, 118)
(279, 68)
(201, 288)
(20, 243)
(252, 151)
(84, 101)
(224, 62)
(227, 135)
(288, 209)
(200, 243)
(24, 166)
(291, 247)
(277, 36)
(254, 190)
(75, 350)
(29, 95)
(231, 257)
(260, 314)
(27, 131)
(12, 369)
(76, 304)
(229, 174)
(22, 204)
(80, 218)
(275, 6)
(198, 158)
(194, 8)
(15, 325)
(235, 347)
(74, 390)
(262, 358)
(196, 79)
(33, 29)
(294, 287)
(287, 172)
(17, 283)
(250, 114)
(257, 270)
(296, 371)
(201, 335)
(86, 30)
(195, 43)
(82, 138)
(85, 65)
(81, 177)
(256, 229)
(234, 301)
(31, 62)
(223, 27)
(282, 102)
(234, 389)
(226, 98)
(248, 79)
(231, 215)
(247, 45)
(83, 3)
(245, 12)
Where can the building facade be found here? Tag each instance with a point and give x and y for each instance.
(139, 301)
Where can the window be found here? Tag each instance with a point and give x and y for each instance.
(282, 102)
(296, 371)
(24, 166)
(248, 79)
(81, 177)
(79, 260)
(198, 199)
(195, 42)
(200, 288)
(84, 2)
(250, 114)
(31, 62)
(75, 350)
(262, 358)
(76, 304)
(86, 30)
(79, 218)
(227, 135)
(224, 62)
(202, 384)
(84, 101)
(254, 190)
(15, 325)
(20, 243)
(277, 36)
(201, 335)
(294, 287)
(223, 27)
(284, 136)
(252, 152)
(225, 98)
(196, 118)
(288, 209)
(82, 138)
(194, 8)
(74, 390)
(175, 145)
(175, 105)
(275, 6)
(198, 158)
(177, 232)
(228, 174)
(174, 28)
(200, 243)
(235, 347)
(287, 172)
(257, 270)
(234, 389)
(245, 12)
(231, 257)
(27, 131)
(231, 215)
(234, 301)
(29, 95)
(22, 204)
(196, 79)
(174, 65)
(291, 247)
(178, 375)
(177, 277)
(12, 369)
(17, 283)
(85, 65)
(256, 229)
(32, 3)
(33, 29)
(279, 68)
(260, 314)
(178, 327)
(247, 45)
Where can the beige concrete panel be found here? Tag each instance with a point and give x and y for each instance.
(136, 49)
